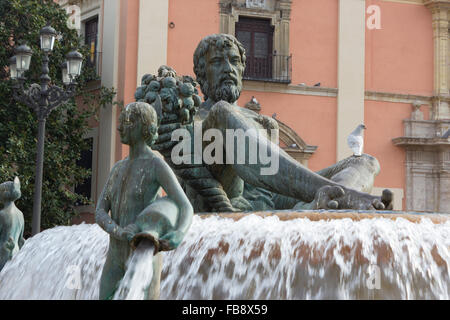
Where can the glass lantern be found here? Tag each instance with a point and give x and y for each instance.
(47, 35)
(74, 62)
(65, 74)
(13, 68)
(23, 58)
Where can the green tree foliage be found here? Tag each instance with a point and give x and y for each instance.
(21, 20)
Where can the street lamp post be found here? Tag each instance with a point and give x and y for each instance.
(42, 99)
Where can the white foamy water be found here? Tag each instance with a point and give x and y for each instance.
(139, 274)
(252, 258)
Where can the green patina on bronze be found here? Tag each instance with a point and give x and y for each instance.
(219, 63)
(11, 221)
(131, 197)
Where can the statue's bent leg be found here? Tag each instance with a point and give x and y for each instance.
(291, 178)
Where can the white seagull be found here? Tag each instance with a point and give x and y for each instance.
(356, 141)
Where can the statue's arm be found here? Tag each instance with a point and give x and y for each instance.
(168, 181)
(21, 239)
(102, 217)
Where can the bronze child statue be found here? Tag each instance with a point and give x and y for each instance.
(130, 195)
(11, 221)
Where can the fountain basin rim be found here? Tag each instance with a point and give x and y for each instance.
(317, 215)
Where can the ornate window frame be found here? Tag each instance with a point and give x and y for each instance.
(278, 11)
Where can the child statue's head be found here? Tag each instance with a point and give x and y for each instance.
(138, 112)
(10, 191)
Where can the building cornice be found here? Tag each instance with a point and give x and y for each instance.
(437, 3)
(438, 143)
(261, 86)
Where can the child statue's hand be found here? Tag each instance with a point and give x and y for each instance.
(171, 240)
(129, 232)
(9, 245)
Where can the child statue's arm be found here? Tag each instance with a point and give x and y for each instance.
(21, 239)
(102, 217)
(169, 183)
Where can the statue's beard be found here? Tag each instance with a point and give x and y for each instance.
(225, 91)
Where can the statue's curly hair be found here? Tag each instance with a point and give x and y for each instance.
(219, 41)
(149, 120)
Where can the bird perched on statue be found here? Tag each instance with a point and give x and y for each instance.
(356, 141)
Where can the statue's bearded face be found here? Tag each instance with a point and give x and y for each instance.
(224, 70)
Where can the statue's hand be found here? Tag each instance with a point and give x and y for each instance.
(335, 197)
(9, 245)
(171, 240)
(129, 232)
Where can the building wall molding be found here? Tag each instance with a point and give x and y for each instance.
(397, 97)
(266, 86)
(417, 2)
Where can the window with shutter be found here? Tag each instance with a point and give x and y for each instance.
(90, 38)
(256, 35)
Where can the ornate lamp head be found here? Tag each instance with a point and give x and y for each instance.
(47, 35)
(74, 62)
(23, 58)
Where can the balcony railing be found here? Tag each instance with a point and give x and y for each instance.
(273, 68)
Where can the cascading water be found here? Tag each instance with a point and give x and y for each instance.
(252, 258)
(139, 274)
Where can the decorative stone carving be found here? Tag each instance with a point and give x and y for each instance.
(255, 4)
(427, 164)
(417, 114)
(296, 147)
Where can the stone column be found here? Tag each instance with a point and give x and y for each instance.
(107, 125)
(152, 39)
(444, 175)
(440, 20)
(351, 55)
